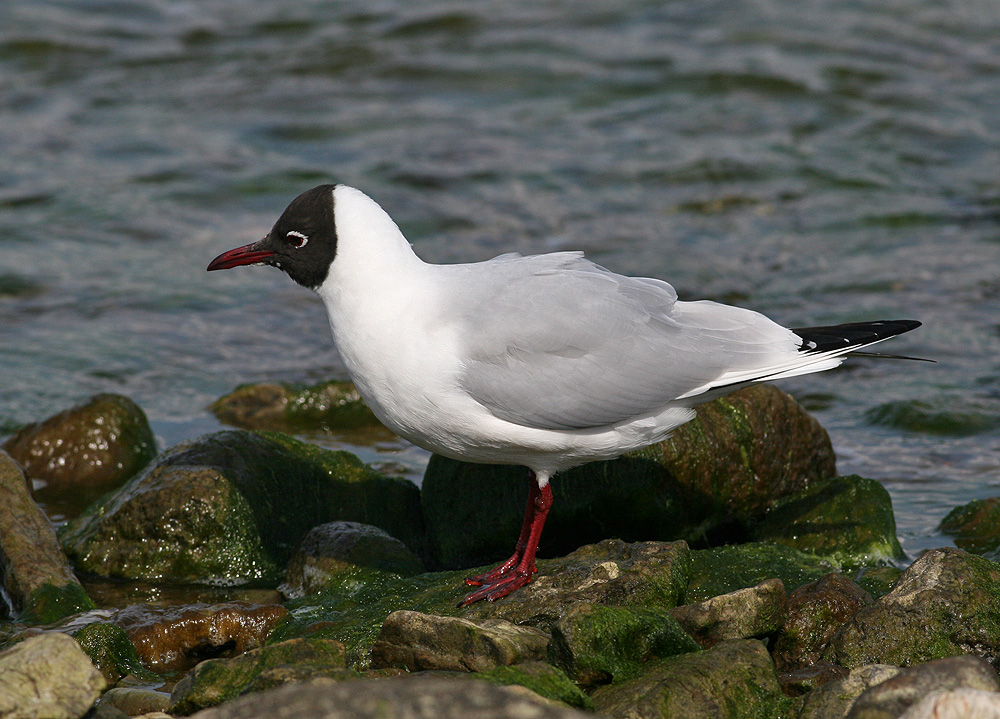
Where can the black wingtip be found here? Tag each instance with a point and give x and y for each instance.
(851, 334)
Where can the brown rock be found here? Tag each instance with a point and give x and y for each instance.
(814, 614)
(751, 612)
(173, 638)
(99, 445)
(30, 554)
(47, 677)
(416, 641)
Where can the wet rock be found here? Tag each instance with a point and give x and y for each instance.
(946, 603)
(326, 406)
(725, 569)
(231, 507)
(37, 576)
(890, 698)
(133, 701)
(112, 652)
(804, 680)
(333, 547)
(217, 680)
(848, 519)
(815, 612)
(750, 612)
(396, 698)
(956, 704)
(543, 679)
(47, 677)
(720, 470)
(93, 447)
(596, 644)
(735, 678)
(834, 699)
(612, 573)
(353, 606)
(172, 638)
(975, 527)
(415, 641)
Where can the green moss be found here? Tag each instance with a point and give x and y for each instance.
(543, 679)
(594, 643)
(847, 519)
(50, 603)
(725, 569)
(112, 652)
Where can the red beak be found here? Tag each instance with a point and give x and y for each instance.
(252, 254)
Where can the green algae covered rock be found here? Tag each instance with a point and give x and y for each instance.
(354, 604)
(230, 507)
(90, 448)
(945, 604)
(724, 468)
(217, 680)
(848, 519)
(543, 679)
(735, 679)
(725, 569)
(112, 652)
(327, 406)
(975, 527)
(598, 644)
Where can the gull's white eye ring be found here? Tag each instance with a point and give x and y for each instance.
(296, 239)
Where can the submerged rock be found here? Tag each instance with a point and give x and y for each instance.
(47, 676)
(337, 546)
(230, 507)
(733, 679)
(326, 406)
(36, 574)
(91, 448)
(975, 527)
(713, 476)
(946, 603)
(172, 638)
(750, 612)
(415, 641)
(848, 519)
(395, 698)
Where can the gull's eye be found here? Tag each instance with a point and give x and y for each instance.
(296, 239)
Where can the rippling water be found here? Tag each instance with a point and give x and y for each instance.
(818, 161)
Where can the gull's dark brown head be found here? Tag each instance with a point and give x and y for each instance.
(302, 243)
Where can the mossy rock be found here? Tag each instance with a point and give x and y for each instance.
(717, 473)
(945, 604)
(597, 644)
(847, 519)
(326, 406)
(50, 603)
(217, 680)
(354, 604)
(975, 527)
(231, 507)
(112, 652)
(725, 569)
(543, 679)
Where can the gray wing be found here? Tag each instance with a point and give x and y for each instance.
(557, 342)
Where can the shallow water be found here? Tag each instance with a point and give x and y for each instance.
(821, 162)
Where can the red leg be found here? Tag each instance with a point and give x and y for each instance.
(522, 541)
(520, 569)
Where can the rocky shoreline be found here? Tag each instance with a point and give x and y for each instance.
(726, 572)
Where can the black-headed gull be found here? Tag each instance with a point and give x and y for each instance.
(547, 361)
